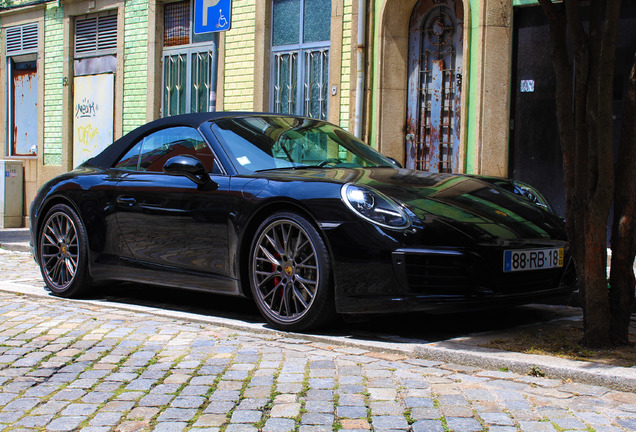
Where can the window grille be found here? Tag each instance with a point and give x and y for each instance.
(176, 26)
(22, 39)
(300, 57)
(96, 35)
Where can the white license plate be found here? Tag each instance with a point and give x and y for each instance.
(532, 259)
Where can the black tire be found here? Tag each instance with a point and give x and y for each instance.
(290, 273)
(62, 249)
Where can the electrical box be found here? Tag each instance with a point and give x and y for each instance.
(11, 193)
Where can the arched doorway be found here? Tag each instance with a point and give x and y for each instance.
(434, 86)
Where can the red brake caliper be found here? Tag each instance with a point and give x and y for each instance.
(277, 278)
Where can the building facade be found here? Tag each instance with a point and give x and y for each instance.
(427, 82)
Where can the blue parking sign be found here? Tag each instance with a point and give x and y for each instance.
(212, 15)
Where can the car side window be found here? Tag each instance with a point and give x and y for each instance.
(152, 151)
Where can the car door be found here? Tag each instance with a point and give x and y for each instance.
(171, 221)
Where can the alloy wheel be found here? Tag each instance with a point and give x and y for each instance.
(59, 250)
(285, 271)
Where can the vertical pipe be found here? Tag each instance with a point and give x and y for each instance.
(362, 19)
(214, 73)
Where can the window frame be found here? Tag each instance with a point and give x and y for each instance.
(216, 162)
(110, 31)
(189, 52)
(301, 49)
(209, 45)
(23, 51)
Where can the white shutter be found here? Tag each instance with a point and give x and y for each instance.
(22, 39)
(96, 35)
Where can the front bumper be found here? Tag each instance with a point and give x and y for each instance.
(452, 280)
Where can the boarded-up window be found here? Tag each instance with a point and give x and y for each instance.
(95, 35)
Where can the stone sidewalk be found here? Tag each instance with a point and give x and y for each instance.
(72, 366)
(15, 239)
(91, 366)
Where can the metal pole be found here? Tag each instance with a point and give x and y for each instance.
(362, 19)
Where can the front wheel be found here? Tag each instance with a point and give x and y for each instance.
(62, 249)
(290, 273)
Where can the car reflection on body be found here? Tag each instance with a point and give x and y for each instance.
(297, 214)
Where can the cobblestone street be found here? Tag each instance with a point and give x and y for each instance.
(75, 366)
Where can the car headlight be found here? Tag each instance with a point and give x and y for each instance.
(532, 194)
(374, 206)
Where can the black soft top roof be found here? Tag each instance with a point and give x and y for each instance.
(108, 156)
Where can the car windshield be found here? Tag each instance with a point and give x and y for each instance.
(271, 142)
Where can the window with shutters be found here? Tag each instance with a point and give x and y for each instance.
(189, 63)
(95, 50)
(22, 39)
(301, 31)
(95, 35)
(21, 47)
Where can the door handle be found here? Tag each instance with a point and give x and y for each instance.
(126, 200)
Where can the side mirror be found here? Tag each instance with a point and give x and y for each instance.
(187, 166)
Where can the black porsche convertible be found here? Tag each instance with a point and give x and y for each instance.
(298, 214)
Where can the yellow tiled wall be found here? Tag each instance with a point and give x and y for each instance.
(239, 58)
(345, 82)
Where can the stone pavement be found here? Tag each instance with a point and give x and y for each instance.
(96, 366)
(71, 366)
(16, 239)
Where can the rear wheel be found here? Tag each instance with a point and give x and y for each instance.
(62, 249)
(290, 273)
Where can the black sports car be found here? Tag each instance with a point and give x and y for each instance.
(298, 214)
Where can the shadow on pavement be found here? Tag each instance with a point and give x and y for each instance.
(414, 327)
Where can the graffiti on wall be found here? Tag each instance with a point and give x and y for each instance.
(93, 119)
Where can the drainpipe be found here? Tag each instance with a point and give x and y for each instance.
(362, 18)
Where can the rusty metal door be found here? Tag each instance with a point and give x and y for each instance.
(434, 86)
(23, 115)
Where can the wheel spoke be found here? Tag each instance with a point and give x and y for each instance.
(271, 258)
(72, 238)
(285, 234)
(56, 272)
(299, 245)
(278, 285)
(309, 267)
(275, 243)
(267, 277)
(304, 260)
(298, 296)
(306, 281)
(284, 302)
(70, 266)
(56, 229)
(51, 241)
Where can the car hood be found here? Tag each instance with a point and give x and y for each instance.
(477, 208)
